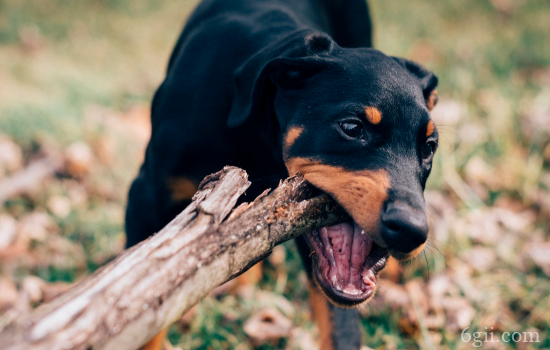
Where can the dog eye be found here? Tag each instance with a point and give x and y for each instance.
(352, 129)
(428, 150)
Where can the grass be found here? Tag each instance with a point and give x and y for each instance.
(86, 71)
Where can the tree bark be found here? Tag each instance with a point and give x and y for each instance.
(149, 286)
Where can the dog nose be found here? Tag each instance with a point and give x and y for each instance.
(404, 228)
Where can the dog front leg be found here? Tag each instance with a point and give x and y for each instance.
(338, 327)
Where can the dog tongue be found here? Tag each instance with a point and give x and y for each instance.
(346, 247)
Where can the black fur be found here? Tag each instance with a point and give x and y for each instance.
(244, 71)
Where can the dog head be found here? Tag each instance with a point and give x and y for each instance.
(356, 124)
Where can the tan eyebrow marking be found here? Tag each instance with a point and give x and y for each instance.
(430, 128)
(293, 133)
(373, 115)
(181, 188)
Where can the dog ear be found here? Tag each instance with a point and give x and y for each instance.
(285, 64)
(427, 80)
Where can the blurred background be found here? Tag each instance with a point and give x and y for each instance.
(76, 81)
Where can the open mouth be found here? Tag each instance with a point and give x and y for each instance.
(346, 262)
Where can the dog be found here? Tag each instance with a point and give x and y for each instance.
(278, 87)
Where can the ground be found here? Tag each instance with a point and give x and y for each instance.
(76, 81)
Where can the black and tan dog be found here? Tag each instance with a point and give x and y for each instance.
(281, 86)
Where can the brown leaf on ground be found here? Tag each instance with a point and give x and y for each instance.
(268, 325)
(300, 339)
(78, 159)
(388, 295)
(60, 206)
(60, 252)
(8, 295)
(28, 179)
(459, 312)
(11, 156)
(8, 231)
(441, 213)
(276, 300)
(32, 287)
(391, 294)
(477, 174)
(512, 204)
(439, 287)
(35, 227)
(479, 258)
(489, 225)
(535, 121)
(540, 255)
(76, 192)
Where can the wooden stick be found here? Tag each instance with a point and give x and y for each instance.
(149, 286)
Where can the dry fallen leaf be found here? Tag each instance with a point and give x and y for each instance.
(441, 213)
(479, 258)
(540, 254)
(276, 300)
(393, 294)
(299, 339)
(11, 156)
(60, 206)
(7, 231)
(8, 295)
(439, 287)
(489, 225)
(536, 118)
(32, 287)
(34, 226)
(60, 251)
(76, 192)
(78, 159)
(459, 313)
(267, 325)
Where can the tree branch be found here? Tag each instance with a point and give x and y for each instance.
(149, 286)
